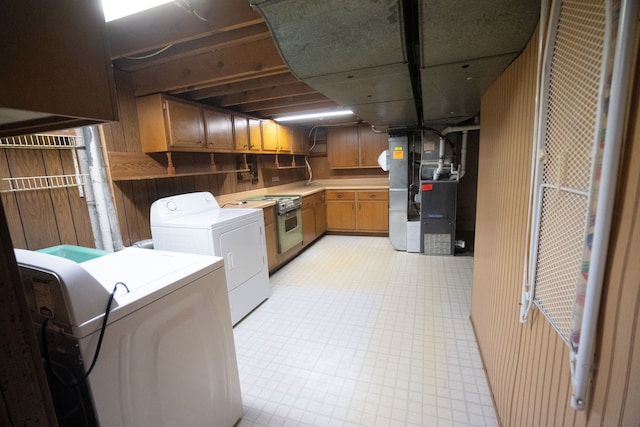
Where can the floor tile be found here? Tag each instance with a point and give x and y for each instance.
(358, 334)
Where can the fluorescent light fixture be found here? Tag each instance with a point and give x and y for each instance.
(114, 9)
(318, 115)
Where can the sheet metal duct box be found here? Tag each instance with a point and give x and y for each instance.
(438, 217)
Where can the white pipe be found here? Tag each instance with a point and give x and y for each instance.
(441, 157)
(95, 172)
(463, 154)
(526, 300)
(606, 196)
(89, 196)
(453, 129)
(463, 160)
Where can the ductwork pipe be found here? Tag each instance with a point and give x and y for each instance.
(441, 157)
(465, 133)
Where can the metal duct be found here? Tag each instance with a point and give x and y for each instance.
(465, 45)
(352, 51)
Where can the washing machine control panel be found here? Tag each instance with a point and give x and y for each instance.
(182, 204)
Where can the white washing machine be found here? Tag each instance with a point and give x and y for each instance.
(195, 223)
(167, 356)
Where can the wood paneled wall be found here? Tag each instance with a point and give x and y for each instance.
(43, 218)
(528, 365)
(133, 199)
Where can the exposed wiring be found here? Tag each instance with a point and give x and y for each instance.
(151, 55)
(306, 161)
(45, 345)
(184, 4)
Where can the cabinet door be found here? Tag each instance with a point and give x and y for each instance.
(308, 225)
(341, 215)
(240, 133)
(342, 147)
(371, 145)
(298, 141)
(185, 126)
(219, 129)
(255, 135)
(321, 214)
(269, 135)
(56, 69)
(270, 237)
(373, 211)
(341, 210)
(285, 137)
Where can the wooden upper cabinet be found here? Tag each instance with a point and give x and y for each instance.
(241, 133)
(342, 147)
(58, 85)
(371, 145)
(219, 130)
(169, 125)
(298, 145)
(355, 147)
(255, 135)
(184, 125)
(269, 135)
(285, 138)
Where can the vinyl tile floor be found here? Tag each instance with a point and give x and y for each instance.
(358, 334)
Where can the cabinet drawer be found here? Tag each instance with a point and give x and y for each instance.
(373, 195)
(340, 195)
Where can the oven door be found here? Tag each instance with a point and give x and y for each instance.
(289, 230)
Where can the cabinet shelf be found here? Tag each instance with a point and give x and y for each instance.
(176, 175)
(133, 166)
(41, 141)
(285, 167)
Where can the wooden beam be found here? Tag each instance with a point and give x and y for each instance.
(181, 50)
(292, 109)
(282, 78)
(226, 65)
(166, 24)
(283, 102)
(266, 94)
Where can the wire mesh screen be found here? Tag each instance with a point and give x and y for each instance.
(571, 118)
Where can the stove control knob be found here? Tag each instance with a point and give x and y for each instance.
(172, 206)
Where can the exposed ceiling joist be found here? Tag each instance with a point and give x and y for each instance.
(170, 24)
(254, 59)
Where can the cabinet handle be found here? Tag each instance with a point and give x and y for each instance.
(340, 196)
(373, 196)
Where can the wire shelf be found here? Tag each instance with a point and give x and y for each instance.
(39, 141)
(31, 183)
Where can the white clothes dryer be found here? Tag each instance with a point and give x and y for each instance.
(195, 223)
(167, 355)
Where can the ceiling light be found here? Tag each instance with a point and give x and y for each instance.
(114, 9)
(318, 115)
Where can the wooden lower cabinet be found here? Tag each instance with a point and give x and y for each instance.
(373, 211)
(341, 210)
(270, 236)
(358, 211)
(313, 217)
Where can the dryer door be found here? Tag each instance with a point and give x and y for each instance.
(243, 250)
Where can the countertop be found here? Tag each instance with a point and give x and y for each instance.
(234, 200)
